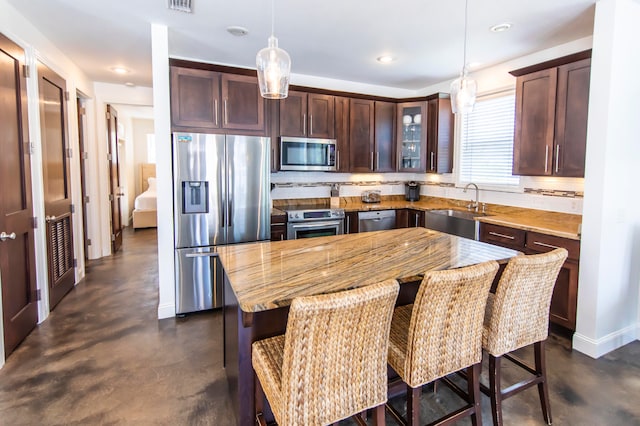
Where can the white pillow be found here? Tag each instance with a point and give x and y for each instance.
(152, 184)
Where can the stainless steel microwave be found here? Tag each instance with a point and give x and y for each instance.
(307, 154)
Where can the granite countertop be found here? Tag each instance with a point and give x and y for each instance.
(552, 223)
(268, 275)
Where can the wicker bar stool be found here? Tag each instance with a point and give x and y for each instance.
(517, 316)
(439, 334)
(331, 363)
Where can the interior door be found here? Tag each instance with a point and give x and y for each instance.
(17, 247)
(57, 184)
(116, 193)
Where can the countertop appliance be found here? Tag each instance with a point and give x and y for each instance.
(221, 196)
(370, 196)
(412, 191)
(377, 220)
(308, 154)
(314, 221)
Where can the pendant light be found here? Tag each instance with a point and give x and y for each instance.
(463, 89)
(274, 67)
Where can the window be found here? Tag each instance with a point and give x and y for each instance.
(151, 148)
(486, 144)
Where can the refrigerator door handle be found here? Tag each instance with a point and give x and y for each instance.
(203, 254)
(230, 197)
(221, 202)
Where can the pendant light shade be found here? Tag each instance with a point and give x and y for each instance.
(274, 67)
(463, 93)
(464, 88)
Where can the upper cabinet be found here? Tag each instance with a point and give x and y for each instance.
(211, 101)
(361, 132)
(439, 134)
(552, 101)
(412, 137)
(195, 98)
(307, 115)
(384, 137)
(372, 136)
(342, 133)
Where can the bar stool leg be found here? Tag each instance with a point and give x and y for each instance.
(473, 390)
(413, 405)
(495, 389)
(378, 415)
(541, 370)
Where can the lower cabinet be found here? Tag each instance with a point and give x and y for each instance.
(278, 227)
(351, 223)
(565, 294)
(410, 218)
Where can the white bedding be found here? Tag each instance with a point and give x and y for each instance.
(148, 200)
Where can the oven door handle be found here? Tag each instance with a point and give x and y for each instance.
(315, 225)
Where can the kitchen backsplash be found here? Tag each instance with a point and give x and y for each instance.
(551, 194)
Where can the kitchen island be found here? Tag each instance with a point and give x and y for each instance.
(261, 280)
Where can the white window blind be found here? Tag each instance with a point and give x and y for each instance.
(487, 141)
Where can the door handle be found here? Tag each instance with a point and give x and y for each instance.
(4, 236)
(203, 254)
(50, 218)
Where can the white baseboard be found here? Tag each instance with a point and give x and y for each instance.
(595, 348)
(166, 311)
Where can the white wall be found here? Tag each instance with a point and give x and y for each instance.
(610, 249)
(39, 48)
(162, 124)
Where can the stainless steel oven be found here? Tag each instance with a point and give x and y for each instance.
(308, 222)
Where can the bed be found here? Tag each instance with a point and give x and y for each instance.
(145, 204)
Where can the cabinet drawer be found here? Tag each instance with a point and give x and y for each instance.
(279, 218)
(502, 236)
(543, 243)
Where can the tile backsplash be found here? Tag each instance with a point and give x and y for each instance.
(551, 194)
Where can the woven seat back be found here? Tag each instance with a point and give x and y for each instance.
(520, 312)
(445, 330)
(335, 354)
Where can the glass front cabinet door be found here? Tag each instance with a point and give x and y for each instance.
(412, 136)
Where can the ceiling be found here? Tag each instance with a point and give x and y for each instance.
(338, 39)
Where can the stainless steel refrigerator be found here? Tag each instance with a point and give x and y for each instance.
(221, 196)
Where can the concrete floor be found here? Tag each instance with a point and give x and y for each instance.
(102, 357)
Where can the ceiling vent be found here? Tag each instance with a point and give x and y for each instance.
(180, 5)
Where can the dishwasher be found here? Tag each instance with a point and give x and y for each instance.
(376, 220)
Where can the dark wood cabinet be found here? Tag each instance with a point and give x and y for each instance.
(416, 218)
(412, 136)
(278, 227)
(565, 293)
(571, 118)
(307, 115)
(195, 98)
(214, 102)
(372, 136)
(342, 133)
(384, 137)
(361, 133)
(440, 129)
(351, 223)
(551, 117)
(402, 218)
(242, 105)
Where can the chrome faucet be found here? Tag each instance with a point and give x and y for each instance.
(476, 204)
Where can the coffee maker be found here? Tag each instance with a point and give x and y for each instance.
(412, 191)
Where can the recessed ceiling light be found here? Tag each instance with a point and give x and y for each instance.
(498, 28)
(120, 70)
(385, 59)
(237, 31)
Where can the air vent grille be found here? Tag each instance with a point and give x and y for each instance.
(180, 5)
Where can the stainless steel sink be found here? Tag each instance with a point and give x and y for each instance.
(456, 222)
